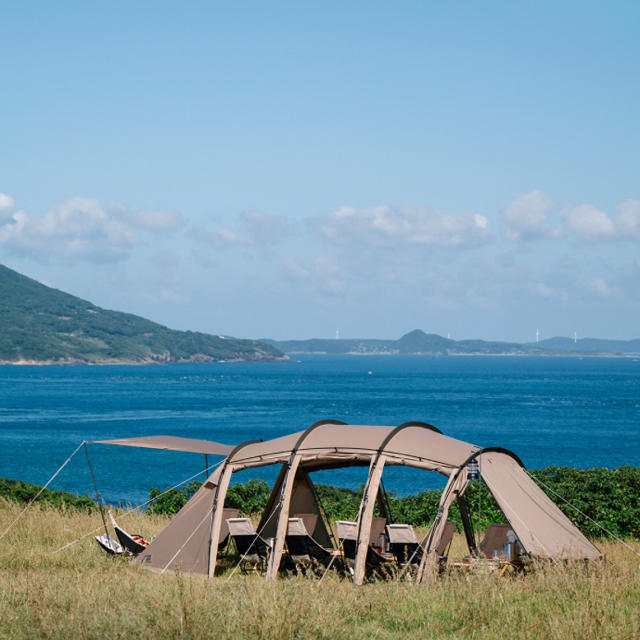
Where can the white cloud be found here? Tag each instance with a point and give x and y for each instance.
(385, 226)
(542, 290)
(628, 220)
(152, 220)
(253, 229)
(78, 229)
(7, 205)
(527, 217)
(599, 285)
(588, 222)
(323, 274)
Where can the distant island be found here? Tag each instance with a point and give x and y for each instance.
(418, 342)
(41, 325)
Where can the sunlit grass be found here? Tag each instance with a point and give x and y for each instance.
(82, 593)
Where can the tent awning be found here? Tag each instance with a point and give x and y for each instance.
(173, 443)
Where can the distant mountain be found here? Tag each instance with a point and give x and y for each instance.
(41, 324)
(418, 342)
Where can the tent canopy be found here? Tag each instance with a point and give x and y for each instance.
(173, 443)
(189, 543)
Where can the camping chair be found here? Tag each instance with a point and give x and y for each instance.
(406, 549)
(108, 544)
(252, 549)
(377, 530)
(404, 544)
(495, 538)
(304, 551)
(375, 562)
(445, 542)
(224, 527)
(134, 543)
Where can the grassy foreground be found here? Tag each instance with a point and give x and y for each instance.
(82, 593)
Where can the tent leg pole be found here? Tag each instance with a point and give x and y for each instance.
(466, 525)
(95, 486)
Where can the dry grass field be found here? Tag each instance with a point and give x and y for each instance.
(82, 593)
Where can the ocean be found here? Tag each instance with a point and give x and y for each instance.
(554, 411)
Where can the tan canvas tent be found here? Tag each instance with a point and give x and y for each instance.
(189, 543)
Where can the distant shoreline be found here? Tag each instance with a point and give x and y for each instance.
(471, 355)
(136, 363)
(287, 358)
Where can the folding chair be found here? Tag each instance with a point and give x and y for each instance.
(495, 538)
(304, 551)
(376, 563)
(252, 549)
(224, 527)
(406, 549)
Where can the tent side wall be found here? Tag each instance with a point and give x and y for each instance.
(183, 545)
(543, 530)
(303, 501)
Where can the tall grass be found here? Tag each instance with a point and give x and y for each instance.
(82, 593)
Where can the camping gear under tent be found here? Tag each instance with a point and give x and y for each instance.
(189, 542)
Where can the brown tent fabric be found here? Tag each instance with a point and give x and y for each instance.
(173, 443)
(304, 504)
(183, 545)
(543, 530)
(189, 542)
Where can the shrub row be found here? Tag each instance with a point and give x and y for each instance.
(20, 491)
(609, 497)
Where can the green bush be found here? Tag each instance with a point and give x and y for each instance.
(250, 498)
(20, 491)
(170, 501)
(609, 497)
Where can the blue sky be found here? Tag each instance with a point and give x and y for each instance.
(283, 170)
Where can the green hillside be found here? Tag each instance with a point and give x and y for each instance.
(415, 342)
(41, 324)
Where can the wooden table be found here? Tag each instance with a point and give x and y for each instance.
(490, 565)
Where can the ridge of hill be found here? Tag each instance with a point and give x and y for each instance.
(39, 324)
(417, 342)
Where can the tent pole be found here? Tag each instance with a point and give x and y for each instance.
(385, 500)
(365, 516)
(466, 525)
(95, 486)
(282, 518)
(217, 510)
(479, 495)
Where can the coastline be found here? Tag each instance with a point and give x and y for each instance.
(472, 355)
(106, 363)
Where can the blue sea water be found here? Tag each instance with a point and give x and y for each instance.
(550, 411)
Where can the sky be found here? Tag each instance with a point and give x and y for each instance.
(289, 170)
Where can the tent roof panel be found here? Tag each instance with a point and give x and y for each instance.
(435, 446)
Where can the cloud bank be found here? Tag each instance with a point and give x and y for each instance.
(528, 217)
(253, 229)
(386, 226)
(78, 229)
